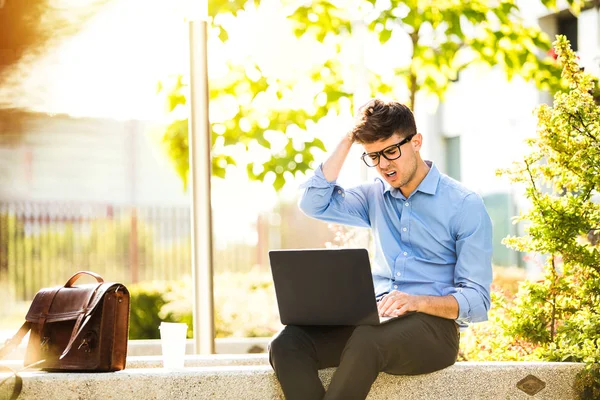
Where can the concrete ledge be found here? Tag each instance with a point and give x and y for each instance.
(466, 380)
(151, 347)
(191, 361)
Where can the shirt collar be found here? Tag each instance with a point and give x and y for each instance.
(428, 185)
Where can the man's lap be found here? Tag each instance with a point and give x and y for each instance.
(415, 344)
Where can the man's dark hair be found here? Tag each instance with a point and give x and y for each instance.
(379, 120)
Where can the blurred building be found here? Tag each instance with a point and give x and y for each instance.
(45, 157)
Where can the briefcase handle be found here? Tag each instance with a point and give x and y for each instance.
(77, 275)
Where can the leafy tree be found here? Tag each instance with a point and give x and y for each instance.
(247, 127)
(561, 175)
(30, 27)
(446, 36)
(251, 125)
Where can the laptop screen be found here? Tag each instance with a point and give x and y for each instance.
(324, 287)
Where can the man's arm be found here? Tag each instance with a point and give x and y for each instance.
(333, 165)
(323, 199)
(473, 269)
(397, 303)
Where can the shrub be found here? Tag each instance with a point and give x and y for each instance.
(148, 301)
(559, 315)
(487, 341)
(588, 383)
(245, 306)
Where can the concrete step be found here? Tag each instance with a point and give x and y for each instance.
(191, 361)
(151, 347)
(465, 381)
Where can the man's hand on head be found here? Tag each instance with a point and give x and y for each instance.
(397, 303)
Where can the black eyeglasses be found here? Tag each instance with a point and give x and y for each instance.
(390, 153)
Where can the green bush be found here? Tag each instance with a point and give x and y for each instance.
(559, 316)
(487, 341)
(149, 300)
(245, 306)
(588, 383)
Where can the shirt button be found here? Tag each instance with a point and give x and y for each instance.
(339, 191)
(395, 286)
(407, 204)
(397, 273)
(405, 253)
(404, 229)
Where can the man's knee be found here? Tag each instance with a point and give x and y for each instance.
(363, 339)
(290, 339)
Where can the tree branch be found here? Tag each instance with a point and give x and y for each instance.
(585, 127)
(414, 37)
(553, 320)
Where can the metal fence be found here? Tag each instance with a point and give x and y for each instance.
(41, 244)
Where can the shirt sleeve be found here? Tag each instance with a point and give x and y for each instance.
(327, 201)
(473, 271)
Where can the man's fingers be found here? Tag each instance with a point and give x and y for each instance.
(398, 306)
(387, 305)
(393, 306)
(382, 306)
(383, 303)
(391, 302)
(401, 310)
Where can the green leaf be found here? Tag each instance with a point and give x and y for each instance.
(279, 182)
(263, 142)
(175, 100)
(318, 144)
(223, 34)
(384, 36)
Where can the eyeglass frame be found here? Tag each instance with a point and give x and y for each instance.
(381, 152)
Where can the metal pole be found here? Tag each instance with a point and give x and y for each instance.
(200, 174)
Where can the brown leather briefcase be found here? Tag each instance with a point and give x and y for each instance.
(76, 328)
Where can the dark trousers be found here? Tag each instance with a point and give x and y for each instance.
(416, 344)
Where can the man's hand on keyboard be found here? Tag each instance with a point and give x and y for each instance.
(397, 303)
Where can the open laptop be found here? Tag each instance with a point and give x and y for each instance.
(325, 287)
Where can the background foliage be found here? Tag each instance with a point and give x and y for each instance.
(153, 302)
(445, 37)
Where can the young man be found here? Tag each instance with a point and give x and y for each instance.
(433, 255)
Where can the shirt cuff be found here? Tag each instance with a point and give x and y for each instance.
(471, 308)
(464, 307)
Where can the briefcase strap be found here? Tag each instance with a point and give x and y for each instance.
(16, 340)
(76, 331)
(18, 382)
(78, 327)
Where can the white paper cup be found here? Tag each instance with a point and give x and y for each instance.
(172, 340)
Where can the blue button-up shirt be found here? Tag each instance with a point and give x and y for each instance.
(436, 242)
